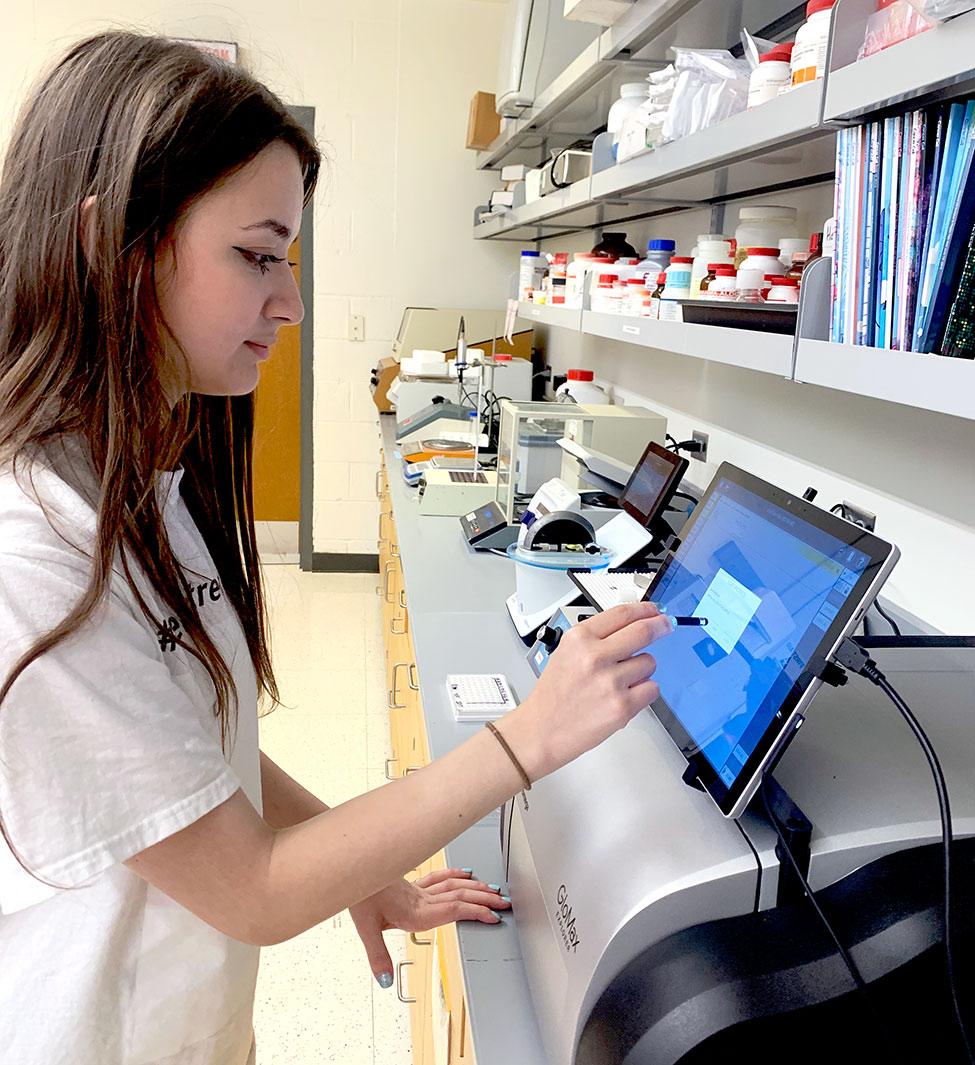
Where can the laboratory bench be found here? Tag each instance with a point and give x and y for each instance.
(443, 611)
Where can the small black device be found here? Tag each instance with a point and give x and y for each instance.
(486, 528)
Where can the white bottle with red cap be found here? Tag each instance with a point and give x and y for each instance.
(809, 54)
(772, 76)
(579, 388)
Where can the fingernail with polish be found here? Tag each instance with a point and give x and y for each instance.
(494, 887)
(507, 898)
(385, 979)
(672, 620)
(467, 869)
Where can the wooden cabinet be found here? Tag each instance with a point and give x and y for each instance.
(431, 980)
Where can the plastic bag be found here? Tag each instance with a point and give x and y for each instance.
(754, 47)
(894, 23)
(711, 86)
(939, 10)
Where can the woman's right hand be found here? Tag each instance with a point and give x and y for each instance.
(596, 681)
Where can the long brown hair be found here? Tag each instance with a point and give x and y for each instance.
(146, 126)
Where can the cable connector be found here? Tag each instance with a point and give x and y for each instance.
(693, 447)
(851, 656)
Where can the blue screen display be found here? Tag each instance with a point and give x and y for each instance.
(770, 585)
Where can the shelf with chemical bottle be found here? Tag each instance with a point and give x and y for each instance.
(562, 212)
(578, 99)
(749, 349)
(776, 146)
(934, 65)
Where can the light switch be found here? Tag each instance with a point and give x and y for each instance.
(357, 327)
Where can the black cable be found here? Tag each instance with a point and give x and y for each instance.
(693, 447)
(873, 674)
(672, 442)
(837, 508)
(890, 621)
(684, 495)
(852, 657)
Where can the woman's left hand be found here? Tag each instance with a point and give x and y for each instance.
(439, 898)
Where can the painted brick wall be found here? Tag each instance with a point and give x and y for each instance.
(390, 82)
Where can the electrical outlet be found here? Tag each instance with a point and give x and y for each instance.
(701, 438)
(863, 518)
(357, 327)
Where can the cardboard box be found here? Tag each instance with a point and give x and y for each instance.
(382, 376)
(484, 123)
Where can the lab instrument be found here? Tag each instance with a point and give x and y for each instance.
(641, 910)
(451, 493)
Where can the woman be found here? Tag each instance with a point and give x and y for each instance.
(148, 199)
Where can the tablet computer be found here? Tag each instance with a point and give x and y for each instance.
(652, 484)
(781, 584)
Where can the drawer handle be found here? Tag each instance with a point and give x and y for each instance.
(399, 632)
(402, 598)
(412, 678)
(412, 769)
(400, 966)
(387, 570)
(394, 549)
(391, 697)
(420, 942)
(379, 474)
(389, 762)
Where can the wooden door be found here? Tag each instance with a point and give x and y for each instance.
(277, 428)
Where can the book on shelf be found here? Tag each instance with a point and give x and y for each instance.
(905, 214)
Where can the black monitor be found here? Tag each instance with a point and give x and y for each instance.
(652, 484)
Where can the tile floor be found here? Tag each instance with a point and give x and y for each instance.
(317, 1001)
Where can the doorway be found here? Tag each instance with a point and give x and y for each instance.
(283, 439)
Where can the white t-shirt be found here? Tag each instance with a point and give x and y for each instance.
(109, 744)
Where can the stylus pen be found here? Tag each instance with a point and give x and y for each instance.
(681, 620)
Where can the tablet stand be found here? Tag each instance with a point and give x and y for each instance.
(795, 827)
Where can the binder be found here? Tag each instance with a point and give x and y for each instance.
(946, 203)
(959, 342)
(907, 269)
(890, 192)
(867, 318)
(939, 118)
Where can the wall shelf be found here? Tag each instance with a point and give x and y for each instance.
(577, 102)
(928, 382)
(749, 349)
(937, 64)
(546, 314)
(574, 106)
(777, 145)
(558, 212)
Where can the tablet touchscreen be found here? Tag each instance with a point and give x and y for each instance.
(780, 583)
